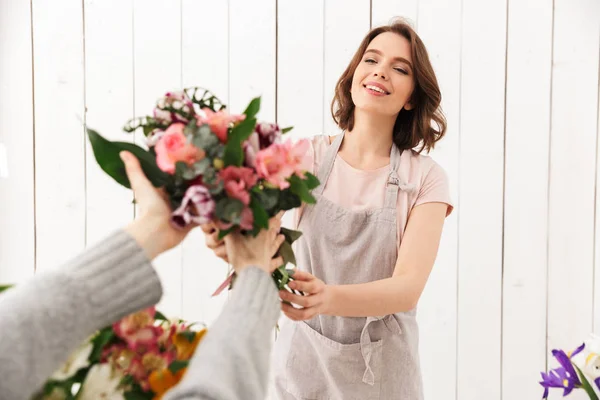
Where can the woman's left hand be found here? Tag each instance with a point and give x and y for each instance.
(313, 303)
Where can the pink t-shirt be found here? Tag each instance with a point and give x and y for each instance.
(356, 189)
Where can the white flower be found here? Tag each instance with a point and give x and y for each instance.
(77, 360)
(588, 360)
(102, 382)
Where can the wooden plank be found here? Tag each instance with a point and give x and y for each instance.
(481, 199)
(59, 134)
(109, 103)
(385, 10)
(252, 62)
(17, 240)
(437, 308)
(528, 88)
(346, 24)
(207, 67)
(300, 67)
(572, 173)
(157, 60)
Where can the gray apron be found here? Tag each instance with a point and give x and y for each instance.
(332, 357)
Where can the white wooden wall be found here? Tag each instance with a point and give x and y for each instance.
(518, 272)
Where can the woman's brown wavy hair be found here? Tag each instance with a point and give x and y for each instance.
(425, 123)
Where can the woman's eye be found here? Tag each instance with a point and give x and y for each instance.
(402, 71)
(370, 61)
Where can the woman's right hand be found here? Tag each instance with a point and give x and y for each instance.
(211, 233)
(244, 251)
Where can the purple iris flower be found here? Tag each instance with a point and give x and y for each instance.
(564, 377)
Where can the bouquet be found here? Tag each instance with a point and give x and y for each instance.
(579, 369)
(217, 167)
(139, 357)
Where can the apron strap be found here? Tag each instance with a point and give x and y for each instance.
(366, 346)
(395, 183)
(327, 163)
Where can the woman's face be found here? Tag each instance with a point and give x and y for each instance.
(383, 81)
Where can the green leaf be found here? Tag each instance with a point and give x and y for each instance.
(299, 188)
(205, 139)
(201, 166)
(286, 130)
(233, 154)
(311, 181)
(225, 232)
(288, 200)
(4, 287)
(178, 365)
(261, 218)
(268, 198)
(585, 383)
(291, 235)
(107, 156)
(138, 396)
(253, 108)
(99, 342)
(286, 252)
(229, 210)
(159, 316)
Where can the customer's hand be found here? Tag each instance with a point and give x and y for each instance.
(244, 251)
(152, 229)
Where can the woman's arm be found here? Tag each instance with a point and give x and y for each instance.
(399, 293)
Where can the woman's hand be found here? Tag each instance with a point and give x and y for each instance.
(313, 303)
(211, 237)
(244, 251)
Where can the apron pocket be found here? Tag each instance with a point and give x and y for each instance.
(319, 368)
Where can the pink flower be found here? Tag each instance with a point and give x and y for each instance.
(238, 181)
(219, 121)
(138, 329)
(173, 147)
(278, 162)
(196, 207)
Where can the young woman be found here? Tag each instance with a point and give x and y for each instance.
(370, 241)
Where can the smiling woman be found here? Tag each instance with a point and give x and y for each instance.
(371, 240)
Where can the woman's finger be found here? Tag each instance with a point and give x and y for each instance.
(212, 240)
(297, 314)
(310, 287)
(302, 301)
(276, 263)
(221, 252)
(207, 228)
(300, 275)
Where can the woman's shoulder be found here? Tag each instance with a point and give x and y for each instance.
(423, 168)
(425, 162)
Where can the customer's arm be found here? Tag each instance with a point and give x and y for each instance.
(44, 319)
(232, 361)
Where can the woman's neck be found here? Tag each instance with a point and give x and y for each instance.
(368, 144)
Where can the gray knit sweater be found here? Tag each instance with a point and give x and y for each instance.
(43, 320)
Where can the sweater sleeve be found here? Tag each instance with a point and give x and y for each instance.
(47, 317)
(232, 361)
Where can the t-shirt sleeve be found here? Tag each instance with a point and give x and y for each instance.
(435, 188)
(311, 162)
